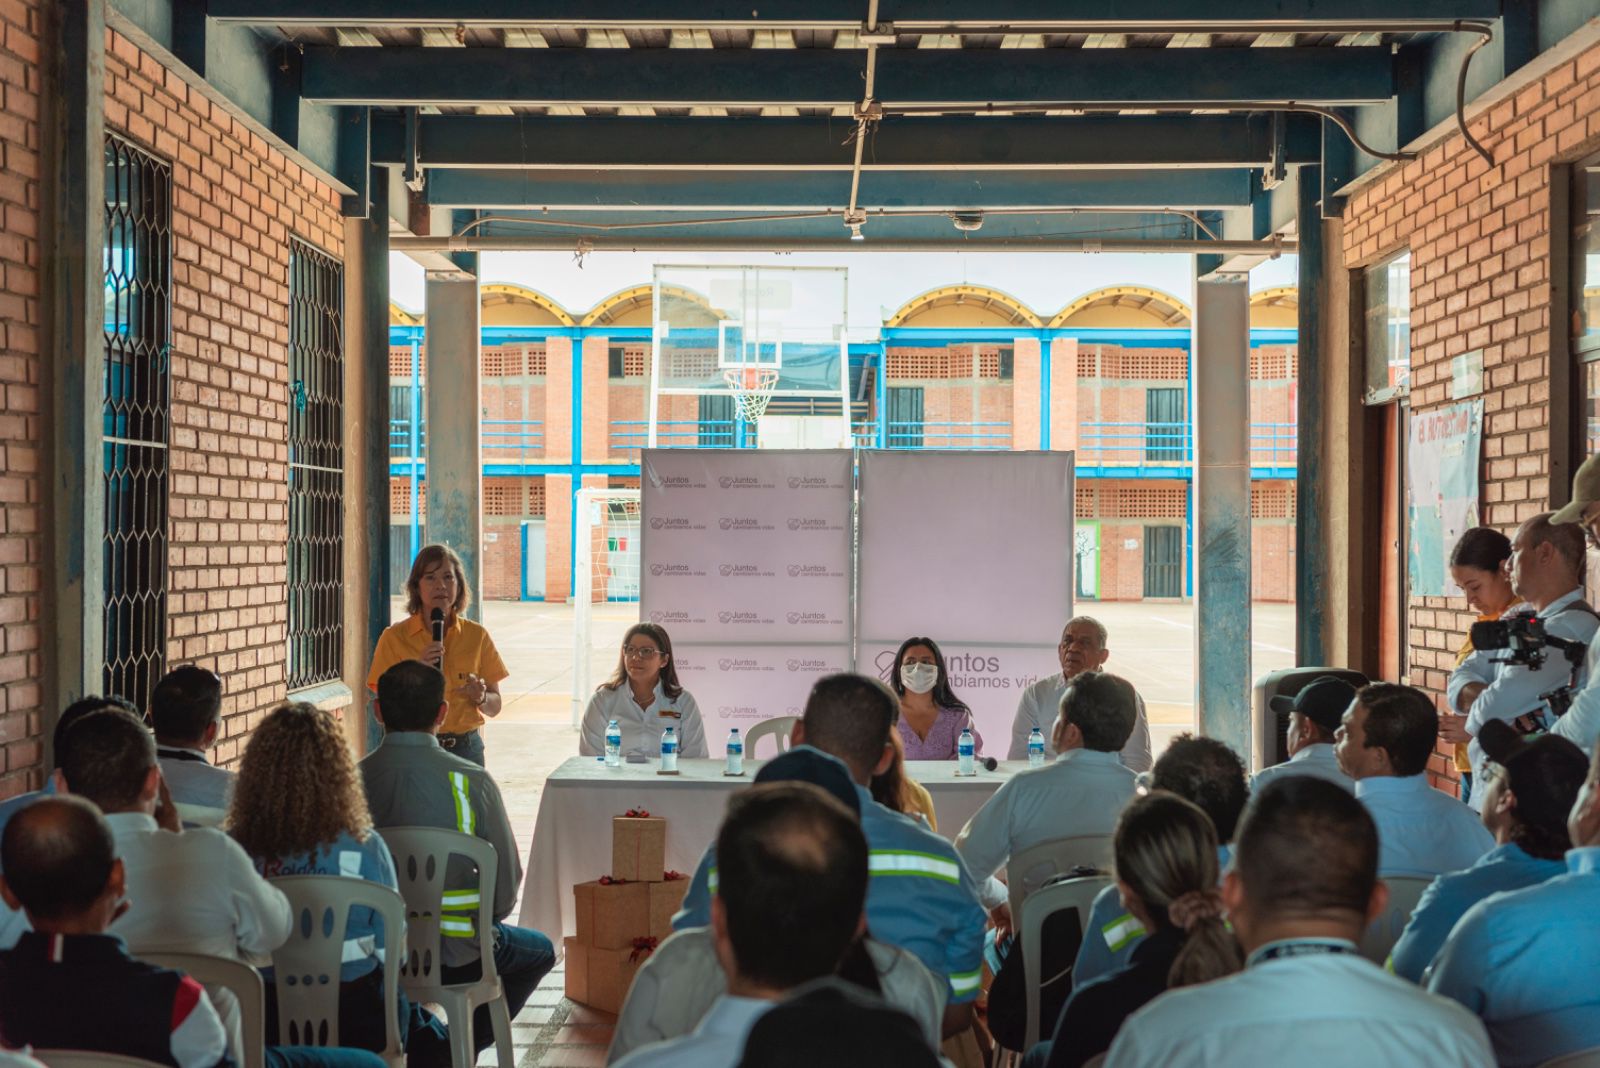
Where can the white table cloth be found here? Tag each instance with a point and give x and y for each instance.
(572, 836)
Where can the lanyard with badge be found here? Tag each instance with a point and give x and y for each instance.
(1285, 950)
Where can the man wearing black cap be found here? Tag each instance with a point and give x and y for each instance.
(1314, 715)
(1529, 791)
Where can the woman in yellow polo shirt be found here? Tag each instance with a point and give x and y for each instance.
(471, 665)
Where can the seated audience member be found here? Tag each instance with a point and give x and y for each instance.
(411, 782)
(69, 984)
(792, 885)
(1080, 793)
(677, 983)
(1383, 744)
(298, 809)
(1204, 772)
(1525, 961)
(1301, 890)
(1478, 565)
(186, 712)
(932, 717)
(1082, 648)
(1314, 716)
(921, 896)
(894, 789)
(12, 921)
(195, 892)
(1547, 561)
(834, 1023)
(1528, 790)
(1167, 875)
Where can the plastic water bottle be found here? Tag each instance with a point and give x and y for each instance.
(613, 745)
(735, 753)
(965, 747)
(669, 750)
(1035, 747)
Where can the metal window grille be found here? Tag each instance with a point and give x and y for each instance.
(316, 467)
(138, 305)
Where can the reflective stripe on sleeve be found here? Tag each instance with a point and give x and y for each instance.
(452, 927)
(965, 982)
(466, 820)
(711, 881)
(457, 900)
(896, 862)
(1122, 930)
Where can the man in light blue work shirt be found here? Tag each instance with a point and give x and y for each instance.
(1526, 961)
(1204, 771)
(920, 896)
(1528, 790)
(1384, 744)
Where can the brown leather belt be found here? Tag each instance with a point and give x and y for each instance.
(450, 741)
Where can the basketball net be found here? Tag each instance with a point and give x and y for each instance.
(752, 389)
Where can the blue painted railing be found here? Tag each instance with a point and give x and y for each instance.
(1157, 445)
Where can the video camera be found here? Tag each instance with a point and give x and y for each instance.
(1525, 640)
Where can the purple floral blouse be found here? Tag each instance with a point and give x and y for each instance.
(942, 736)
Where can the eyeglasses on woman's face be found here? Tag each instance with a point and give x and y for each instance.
(642, 653)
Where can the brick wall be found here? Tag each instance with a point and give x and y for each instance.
(1481, 279)
(236, 204)
(22, 720)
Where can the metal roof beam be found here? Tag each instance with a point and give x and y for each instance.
(819, 144)
(921, 15)
(599, 191)
(832, 77)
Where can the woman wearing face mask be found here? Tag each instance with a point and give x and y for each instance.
(931, 717)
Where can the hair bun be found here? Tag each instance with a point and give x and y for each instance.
(1195, 906)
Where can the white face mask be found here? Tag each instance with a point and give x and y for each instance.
(919, 678)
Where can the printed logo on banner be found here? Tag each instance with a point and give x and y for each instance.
(814, 666)
(742, 482)
(666, 616)
(736, 664)
(743, 571)
(739, 712)
(680, 482)
(808, 523)
(798, 482)
(740, 524)
(813, 571)
(804, 619)
(676, 571)
(743, 619)
(965, 671)
(673, 522)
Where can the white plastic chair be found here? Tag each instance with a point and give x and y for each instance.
(200, 815)
(1382, 933)
(1028, 869)
(78, 1058)
(780, 730)
(421, 858)
(240, 980)
(306, 967)
(1079, 894)
(1583, 1058)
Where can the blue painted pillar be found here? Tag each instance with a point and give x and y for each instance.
(881, 388)
(1045, 343)
(1311, 473)
(1222, 506)
(415, 443)
(455, 498)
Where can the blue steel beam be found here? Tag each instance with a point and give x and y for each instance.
(907, 143)
(599, 191)
(1104, 15)
(832, 77)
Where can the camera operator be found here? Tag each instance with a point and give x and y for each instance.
(1547, 573)
(1581, 724)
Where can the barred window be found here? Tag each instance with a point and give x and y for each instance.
(138, 296)
(316, 467)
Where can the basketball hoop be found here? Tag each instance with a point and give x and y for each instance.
(752, 389)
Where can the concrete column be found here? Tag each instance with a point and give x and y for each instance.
(557, 406)
(558, 491)
(455, 453)
(594, 415)
(1064, 394)
(1028, 395)
(73, 127)
(1222, 508)
(1311, 481)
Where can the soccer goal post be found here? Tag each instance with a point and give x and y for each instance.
(605, 571)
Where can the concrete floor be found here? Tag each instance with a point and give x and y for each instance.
(1152, 645)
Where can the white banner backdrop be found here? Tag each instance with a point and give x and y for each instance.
(745, 560)
(973, 550)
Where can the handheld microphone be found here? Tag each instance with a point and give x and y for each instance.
(989, 763)
(437, 618)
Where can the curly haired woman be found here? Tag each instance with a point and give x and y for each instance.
(298, 809)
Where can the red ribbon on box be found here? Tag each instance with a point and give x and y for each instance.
(636, 814)
(606, 880)
(642, 948)
(672, 876)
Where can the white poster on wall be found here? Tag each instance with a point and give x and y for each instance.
(973, 550)
(746, 561)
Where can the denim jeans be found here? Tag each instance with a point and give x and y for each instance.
(468, 747)
(522, 956)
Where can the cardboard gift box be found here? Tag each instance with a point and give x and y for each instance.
(666, 898)
(577, 962)
(612, 915)
(638, 848)
(600, 978)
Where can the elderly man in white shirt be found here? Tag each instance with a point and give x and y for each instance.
(186, 713)
(1384, 744)
(791, 899)
(1314, 716)
(1083, 648)
(1302, 888)
(1081, 793)
(1547, 560)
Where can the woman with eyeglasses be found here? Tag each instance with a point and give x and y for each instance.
(931, 715)
(645, 698)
